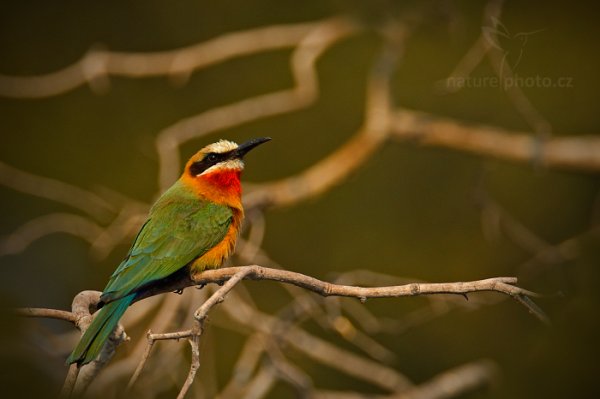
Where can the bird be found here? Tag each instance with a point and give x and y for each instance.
(193, 226)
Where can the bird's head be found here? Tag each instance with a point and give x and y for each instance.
(215, 170)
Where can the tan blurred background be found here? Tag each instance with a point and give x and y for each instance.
(411, 211)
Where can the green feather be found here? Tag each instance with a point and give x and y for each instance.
(181, 227)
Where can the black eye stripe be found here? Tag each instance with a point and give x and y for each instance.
(209, 160)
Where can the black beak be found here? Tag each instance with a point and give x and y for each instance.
(248, 145)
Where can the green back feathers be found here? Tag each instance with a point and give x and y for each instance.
(181, 227)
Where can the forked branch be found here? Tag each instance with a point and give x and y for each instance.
(228, 278)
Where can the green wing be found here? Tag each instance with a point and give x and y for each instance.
(180, 228)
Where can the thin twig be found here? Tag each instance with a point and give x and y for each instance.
(70, 380)
(152, 338)
(533, 308)
(219, 295)
(55, 190)
(47, 313)
(194, 366)
(145, 357)
(200, 316)
(192, 334)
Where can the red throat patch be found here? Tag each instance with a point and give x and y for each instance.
(227, 180)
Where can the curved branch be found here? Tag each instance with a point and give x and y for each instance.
(309, 48)
(98, 64)
(55, 190)
(78, 378)
(42, 226)
(571, 152)
(337, 166)
(47, 313)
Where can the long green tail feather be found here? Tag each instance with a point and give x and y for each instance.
(97, 334)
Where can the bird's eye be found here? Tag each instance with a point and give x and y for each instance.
(211, 157)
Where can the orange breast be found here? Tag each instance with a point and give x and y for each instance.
(222, 187)
(219, 253)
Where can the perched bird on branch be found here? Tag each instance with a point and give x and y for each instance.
(192, 227)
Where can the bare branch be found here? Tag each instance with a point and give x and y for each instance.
(194, 366)
(70, 380)
(152, 338)
(454, 382)
(246, 363)
(261, 384)
(193, 334)
(310, 47)
(354, 153)
(219, 296)
(79, 378)
(314, 347)
(55, 190)
(533, 308)
(36, 228)
(269, 334)
(48, 313)
(287, 371)
(293, 336)
(449, 384)
(570, 152)
(145, 356)
(476, 54)
(349, 363)
(498, 284)
(200, 316)
(180, 63)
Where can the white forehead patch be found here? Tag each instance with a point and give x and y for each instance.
(230, 164)
(220, 147)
